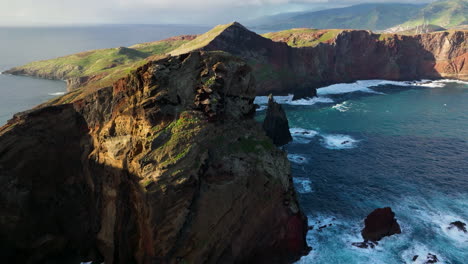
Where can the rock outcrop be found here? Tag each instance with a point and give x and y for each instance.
(459, 225)
(276, 123)
(379, 224)
(166, 166)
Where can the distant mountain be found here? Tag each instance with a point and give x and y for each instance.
(363, 16)
(447, 14)
(392, 17)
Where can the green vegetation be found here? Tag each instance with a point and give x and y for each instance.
(181, 133)
(372, 16)
(251, 145)
(201, 40)
(105, 66)
(303, 37)
(448, 13)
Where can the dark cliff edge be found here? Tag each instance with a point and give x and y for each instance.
(166, 166)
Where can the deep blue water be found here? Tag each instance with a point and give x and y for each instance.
(404, 147)
(20, 45)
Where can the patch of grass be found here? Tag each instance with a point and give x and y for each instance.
(201, 41)
(303, 37)
(107, 65)
(251, 145)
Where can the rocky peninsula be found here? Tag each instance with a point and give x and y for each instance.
(294, 61)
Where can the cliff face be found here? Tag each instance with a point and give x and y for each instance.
(166, 166)
(351, 55)
(314, 59)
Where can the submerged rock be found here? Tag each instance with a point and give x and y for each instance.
(276, 123)
(431, 258)
(458, 225)
(380, 223)
(166, 166)
(365, 244)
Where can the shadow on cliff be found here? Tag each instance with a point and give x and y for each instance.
(51, 195)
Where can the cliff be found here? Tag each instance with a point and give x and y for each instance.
(99, 68)
(336, 56)
(300, 60)
(165, 166)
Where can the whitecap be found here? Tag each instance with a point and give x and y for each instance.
(443, 222)
(57, 93)
(358, 86)
(261, 108)
(301, 135)
(303, 185)
(343, 107)
(263, 100)
(338, 141)
(421, 251)
(438, 83)
(297, 158)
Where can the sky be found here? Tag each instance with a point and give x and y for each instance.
(200, 12)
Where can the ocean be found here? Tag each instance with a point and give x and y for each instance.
(20, 45)
(357, 147)
(372, 144)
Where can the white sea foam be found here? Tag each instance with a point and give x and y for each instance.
(343, 107)
(438, 83)
(297, 158)
(303, 185)
(301, 135)
(421, 251)
(57, 93)
(443, 222)
(263, 100)
(338, 141)
(358, 86)
(366, 85)
(261, 108)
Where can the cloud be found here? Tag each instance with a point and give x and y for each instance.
(154, 11)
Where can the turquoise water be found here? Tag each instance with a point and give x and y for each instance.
(401, 146)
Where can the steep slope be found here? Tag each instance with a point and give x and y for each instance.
(448, 13)
(324, 57)
(166, 166)
(371, 16)
(99, 68)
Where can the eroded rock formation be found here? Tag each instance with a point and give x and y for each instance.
(276, 123)
(379, 224)
(166, 166)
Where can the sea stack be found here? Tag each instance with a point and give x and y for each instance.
(276, 123)
(379, 224)
(167, 165)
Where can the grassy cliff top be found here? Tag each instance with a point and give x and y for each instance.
(304, 37)
(202, 40)
(107, 64)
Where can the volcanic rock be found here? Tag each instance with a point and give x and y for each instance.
(458, 225)
(276, 123)
(166, 166)
(380, 223)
